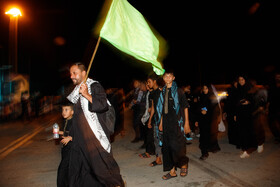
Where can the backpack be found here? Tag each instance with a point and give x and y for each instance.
(110, 118)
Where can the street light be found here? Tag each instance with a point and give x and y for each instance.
(13, 30)
(14, 12)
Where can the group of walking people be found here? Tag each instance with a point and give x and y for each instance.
(249, 108)
(164, 116)
(176, 114)
(172, 116)
(161, 120)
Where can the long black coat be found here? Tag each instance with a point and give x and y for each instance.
(90, 164)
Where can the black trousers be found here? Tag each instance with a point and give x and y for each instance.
(174, 144)
(137, 122)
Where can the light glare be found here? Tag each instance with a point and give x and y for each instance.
(14, 12)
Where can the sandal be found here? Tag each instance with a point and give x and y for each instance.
(184, 172)
(168, 176)
(144, 155)
(154, 163)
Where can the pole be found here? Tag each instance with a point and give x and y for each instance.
(13, 43)
(16, 44)
(93, 55)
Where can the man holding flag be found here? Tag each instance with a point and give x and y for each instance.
(91, 159)
(92, 163)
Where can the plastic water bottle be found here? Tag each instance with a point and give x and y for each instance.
(55, 131)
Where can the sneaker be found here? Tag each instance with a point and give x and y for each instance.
(192, 134)
(260, 148)
(244, 155)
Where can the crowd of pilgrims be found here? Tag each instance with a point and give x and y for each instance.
(246, 110)
(166, 116)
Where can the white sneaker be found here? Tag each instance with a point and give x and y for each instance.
(260, 148)
(192, 134)
(244, 155)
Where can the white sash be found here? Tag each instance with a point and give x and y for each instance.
(91, 117)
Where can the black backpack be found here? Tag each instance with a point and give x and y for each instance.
(110, 118)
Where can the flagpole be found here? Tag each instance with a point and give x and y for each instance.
(93, 55)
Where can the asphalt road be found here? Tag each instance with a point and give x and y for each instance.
(27, 159)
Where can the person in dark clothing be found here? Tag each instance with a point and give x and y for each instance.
(244, 117)
(259, 115)
(207, 122)
(274, 108)
(63, 168)
(174, 122)
(142, 109)
(230, 110)
(149, 140)
(91, 159)
(154, 96)
(135, 106)
(192, 110)
(116, 98)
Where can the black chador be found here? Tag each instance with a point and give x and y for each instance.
(91, 160)
(63, 168)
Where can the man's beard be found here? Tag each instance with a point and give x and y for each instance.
(76, 81)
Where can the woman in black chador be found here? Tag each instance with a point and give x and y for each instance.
(230, 110)
(208, 122)
(244, 118)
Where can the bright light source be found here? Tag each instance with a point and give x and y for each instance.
(223, 94)
(14, 12)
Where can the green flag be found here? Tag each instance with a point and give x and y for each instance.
(127, 30)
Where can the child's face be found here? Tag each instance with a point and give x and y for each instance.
(150, 83)
(168, 78)
(136, 84)
(67, 112)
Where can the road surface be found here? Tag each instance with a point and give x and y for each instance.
(28, 160)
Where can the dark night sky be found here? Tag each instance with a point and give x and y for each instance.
(208, 40)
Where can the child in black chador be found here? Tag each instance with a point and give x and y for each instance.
(62, 173)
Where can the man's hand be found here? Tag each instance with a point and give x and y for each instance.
(149, 124)
(187, 129)
(160, 128)
(84, 91)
